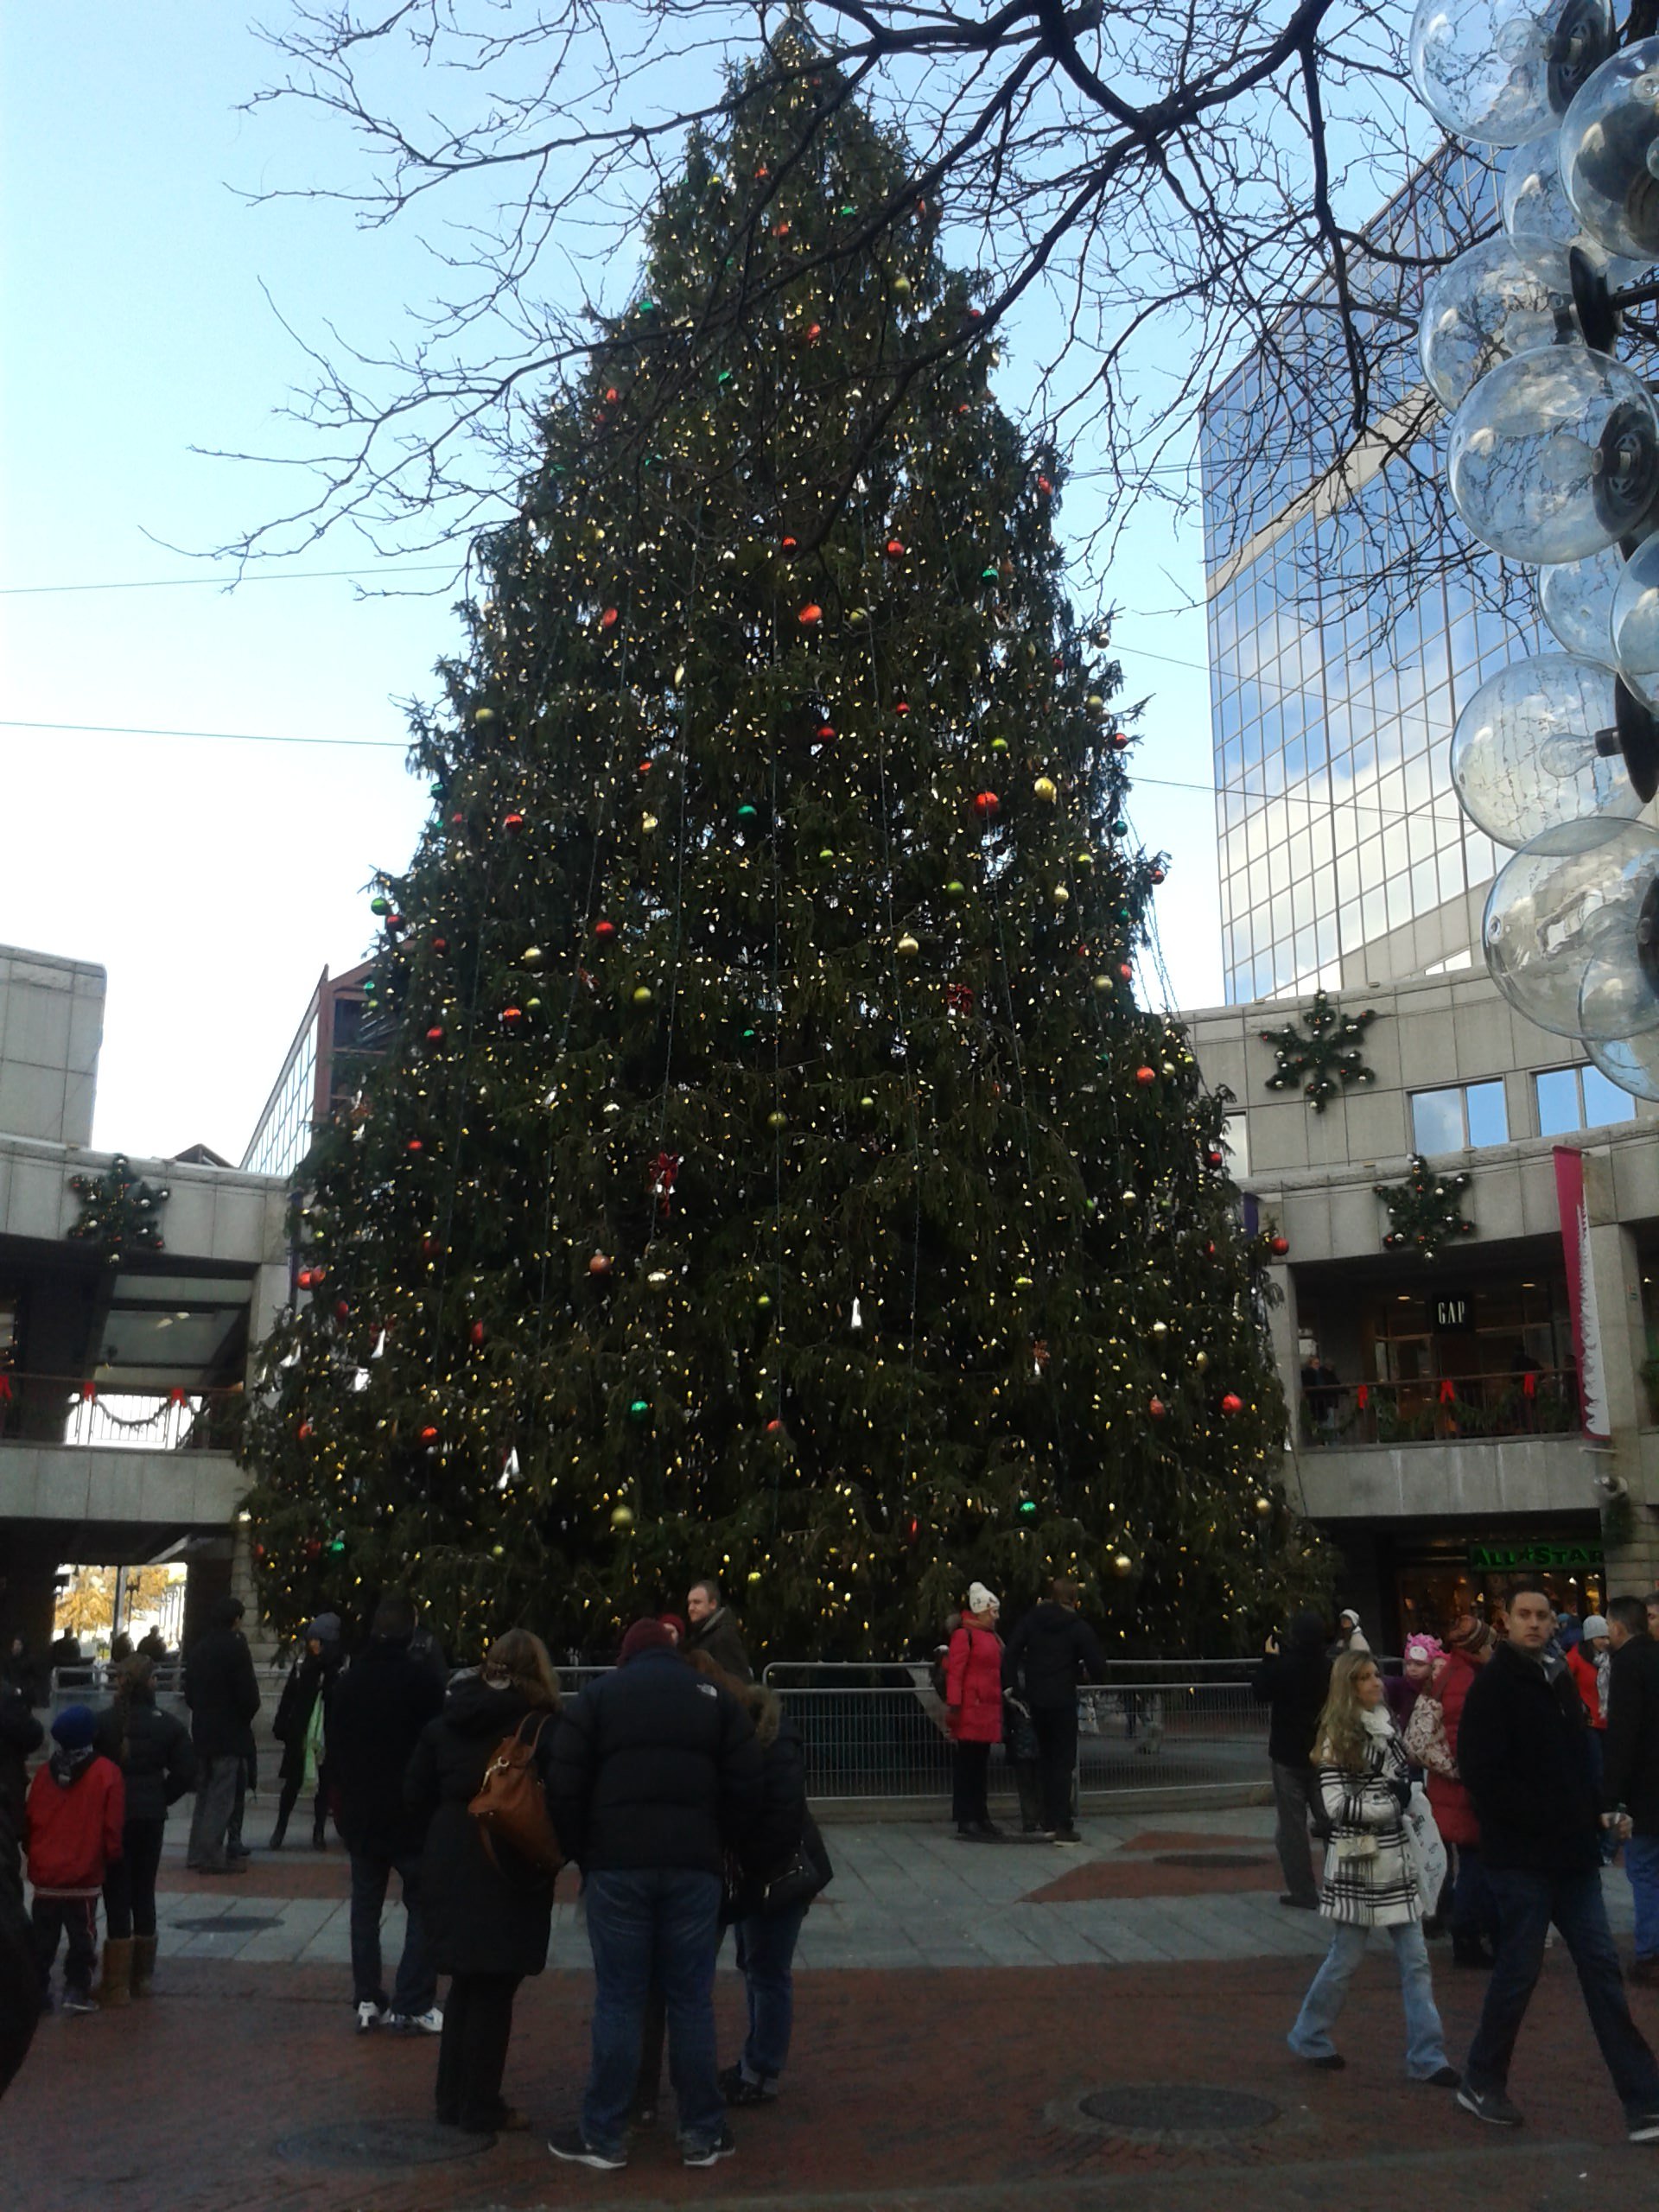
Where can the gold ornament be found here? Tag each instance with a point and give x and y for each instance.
(532, 956)
(621, 1516)
(1121, 1564)
(1060, 895)
(1047, 789)
(907, 947)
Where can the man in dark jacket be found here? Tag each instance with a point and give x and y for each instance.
(1522, 1754)
(1048, 1651)
(223, 1694)
(656, 1775)
(1295, 1683)
(1630, 1770)
(381, 1704)
(713, 1629)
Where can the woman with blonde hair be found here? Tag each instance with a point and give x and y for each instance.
(487, 1918)
(1369, 1881)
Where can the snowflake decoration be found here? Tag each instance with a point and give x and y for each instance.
(118, 1211)
(1328, 1057)
(1425, 1211)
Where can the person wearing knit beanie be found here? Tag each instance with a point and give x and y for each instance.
(644, 1636)
(75, 1727)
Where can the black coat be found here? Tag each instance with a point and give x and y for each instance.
(1051, 1647)
(1295, 1683)
(654, 1766)
(309, 1678)
(155, 1754)
(479, 1917)
(1523, 1752)
(382, 1703)
(20, 2000)
(781, 1830)
(718, 1635)
(1629, 1744)
(19, 1734)
(222, 1693)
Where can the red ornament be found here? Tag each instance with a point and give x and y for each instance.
(1120, 739)
(607, 620)
(512, 822)
(645, 768)
(303, 1432)
(415, 1145)
(814, 331)
(774, 1429)
(314, 1547)
(1157, 1409)
(790, 544)
(1145, 1076)
(259, 1552)
(985, 805)
(1232, 1403)
(434, 1034)
(612, 395)
(604, 930)
(428, 1436)
(511, 1015)
(895, 549)
(826, 730)
(1280, 1246)
(1158, 875)
(1043, 485)
(1126, 971)
(477, 1332)
(901, 705)
(600, 1264)
(810, 615)
(342, 1311)
(1216, 1159)
(440, 944)
(430, 1247)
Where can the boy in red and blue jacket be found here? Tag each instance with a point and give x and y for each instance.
(73, 1824)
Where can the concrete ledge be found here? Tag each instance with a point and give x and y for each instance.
(68, 1482)
(1426, 1481)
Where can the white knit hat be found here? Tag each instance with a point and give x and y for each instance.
(979, 1599)
(1594, 1625)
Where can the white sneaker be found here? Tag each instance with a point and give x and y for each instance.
(430, 2023)
(369, 2015)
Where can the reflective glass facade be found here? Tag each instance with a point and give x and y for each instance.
(1336, 821)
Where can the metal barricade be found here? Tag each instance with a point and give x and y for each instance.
(879, 1731)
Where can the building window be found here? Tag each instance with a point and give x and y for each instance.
(1463, 1116)
(1235, 1145)
(1579, 1098)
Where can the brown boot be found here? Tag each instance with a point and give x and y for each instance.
(143, 1964)
(115, 1987)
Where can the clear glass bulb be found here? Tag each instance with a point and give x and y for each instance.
(1609, 144)
(1635, 622)
(1630, 1061)
(1555, 455)
(1482, 307)
(1525, 754)
(1576, 600)
(1501, 71)
(1567, 898)
(1541, 223)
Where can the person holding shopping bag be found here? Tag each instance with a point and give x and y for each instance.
(1371, 1877)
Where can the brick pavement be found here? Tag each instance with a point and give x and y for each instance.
(911, 2090)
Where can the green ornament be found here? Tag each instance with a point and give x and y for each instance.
(988, 574)
(379, 905)
(955, 889)
(999, 745)
(747, 813)
(640, 1409)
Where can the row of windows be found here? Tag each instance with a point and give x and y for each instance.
(1462, 1117)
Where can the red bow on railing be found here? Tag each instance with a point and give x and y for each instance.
(88, 1391)
(1363, 1396)
(1529, 1385)
(1448, 1393)
(5, 1389)
(175, 1397)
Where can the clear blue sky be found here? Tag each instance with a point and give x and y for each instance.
(214, 880)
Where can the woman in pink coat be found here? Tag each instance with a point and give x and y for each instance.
(973, 1699)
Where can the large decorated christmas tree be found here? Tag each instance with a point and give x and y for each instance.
(770, 1172)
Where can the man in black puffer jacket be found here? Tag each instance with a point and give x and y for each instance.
(656, 1775)
(1295, 1683)
(1522, 1753)
(222, 1692)
(1050, 1649)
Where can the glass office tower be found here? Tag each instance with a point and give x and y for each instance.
(1343, 854)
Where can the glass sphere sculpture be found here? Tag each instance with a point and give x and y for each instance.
(1630, 1061)
(1482, 307)
(1610, 153)
(1555, 455)
(1569, 896)
(1576, 600)
(1525, 756)
(1541, 222)
(1503, 71)
(1636, 622)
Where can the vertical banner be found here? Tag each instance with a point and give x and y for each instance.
(1581, 1294)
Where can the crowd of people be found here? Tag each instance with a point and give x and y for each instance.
(674, 1782)
(1482, 1791)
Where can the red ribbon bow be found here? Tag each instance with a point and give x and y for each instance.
(1363, 1396)
(1529, 1385)
(959, 997)
(664, 1170)
(1448, 1394)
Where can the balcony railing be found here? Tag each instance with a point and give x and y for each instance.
(1439, 1410)
(79, 1409)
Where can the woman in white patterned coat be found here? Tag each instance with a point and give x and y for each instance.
(1369, 1881)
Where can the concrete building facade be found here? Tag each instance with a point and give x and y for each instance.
(123, 1371)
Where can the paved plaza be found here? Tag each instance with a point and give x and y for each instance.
(976, 2027)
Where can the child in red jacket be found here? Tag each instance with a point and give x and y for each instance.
(77, 1808)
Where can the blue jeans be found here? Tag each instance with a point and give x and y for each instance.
(1526, 1902)
(1641, 1868)
(418, 1984)
(765, 1948)
(653, 1923)
(1425, 2038)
